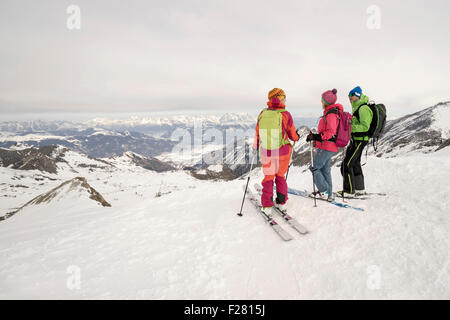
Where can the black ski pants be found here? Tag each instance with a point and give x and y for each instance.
(351, 167)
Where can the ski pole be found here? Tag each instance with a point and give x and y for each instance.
(343, 166)
(248, 180)
(290, 164)
(312, 170)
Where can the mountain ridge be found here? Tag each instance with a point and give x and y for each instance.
(58, 193)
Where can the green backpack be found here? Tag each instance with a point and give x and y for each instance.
(270, 129)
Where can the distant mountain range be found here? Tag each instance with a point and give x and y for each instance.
(34, 145)
(104, 137)
(48, 158)
(91, 141)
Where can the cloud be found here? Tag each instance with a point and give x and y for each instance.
(201, 55)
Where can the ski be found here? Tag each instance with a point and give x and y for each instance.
(366, 196)
(290, 220)
(305, 194)
(275, 226)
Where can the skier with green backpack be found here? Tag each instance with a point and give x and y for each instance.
(274, 131)
(368, 122)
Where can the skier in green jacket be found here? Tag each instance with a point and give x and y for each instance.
(351, 166)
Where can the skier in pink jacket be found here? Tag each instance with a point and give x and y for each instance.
(325, 144)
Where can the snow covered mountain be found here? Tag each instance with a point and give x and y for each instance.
(159, 127)
(56, 127)
(76, 189)
(94, 142)
(50, 166)
(424, 131)
(131, 158)
(164, 126)
(51, 159)
(103, 137)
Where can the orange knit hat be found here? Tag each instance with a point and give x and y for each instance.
(276, 92)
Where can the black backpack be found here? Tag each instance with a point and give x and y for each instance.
(378, 121)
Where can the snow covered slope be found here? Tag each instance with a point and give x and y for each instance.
(424, 131)
(190, 243)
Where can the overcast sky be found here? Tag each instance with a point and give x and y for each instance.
(203, 56)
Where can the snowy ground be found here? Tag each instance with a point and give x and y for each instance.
(189, 243)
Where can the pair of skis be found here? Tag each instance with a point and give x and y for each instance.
(365, 196)
(286, 236)
(254, 199)
(305, 194)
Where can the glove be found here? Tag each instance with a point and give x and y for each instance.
(317, 137)
(313, 137)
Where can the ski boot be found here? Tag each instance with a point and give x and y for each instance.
(317, 194)
(346, 194)
(268, 212)
(330, 197)
(281, 207)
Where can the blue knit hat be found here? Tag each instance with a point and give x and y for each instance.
(356, 91)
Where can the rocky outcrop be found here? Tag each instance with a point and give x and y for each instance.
(75, 186)
(148, 163)
(78, 184)
(30, 159)
(206, 174)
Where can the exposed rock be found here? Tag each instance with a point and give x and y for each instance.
(78, 184)
(225, 174)
(29, 159)
(149, 163)
(444, 144)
